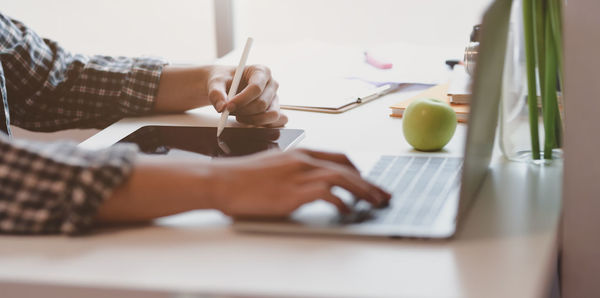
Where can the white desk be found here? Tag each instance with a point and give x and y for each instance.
(506, 247)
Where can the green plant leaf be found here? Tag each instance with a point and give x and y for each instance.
(528, 23)
(549, 99)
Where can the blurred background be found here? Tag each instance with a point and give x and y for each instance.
(199, 31)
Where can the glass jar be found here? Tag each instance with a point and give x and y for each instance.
(514, 128)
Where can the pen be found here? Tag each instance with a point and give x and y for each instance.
(377, 92)
(235, 84)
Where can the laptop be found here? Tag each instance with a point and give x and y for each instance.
(430, 194)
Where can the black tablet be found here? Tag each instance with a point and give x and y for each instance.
(234, 141)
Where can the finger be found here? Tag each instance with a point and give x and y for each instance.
(338, 158)
(262, 103)
(349, 180)
(324, 170)
(320, 190)
(216, 93)
(337, 202)
(270, 116)
(283, 119)
(258, 78)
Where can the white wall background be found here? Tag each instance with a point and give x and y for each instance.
(183, 30)
(358, 22)
(180, 30)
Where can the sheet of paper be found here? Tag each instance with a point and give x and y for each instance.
(319, 74)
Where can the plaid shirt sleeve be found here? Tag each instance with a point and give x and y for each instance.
(57, 187)
(51, 89)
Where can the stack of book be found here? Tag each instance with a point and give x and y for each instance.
(459, 90)
(457, 93)
(439, 92)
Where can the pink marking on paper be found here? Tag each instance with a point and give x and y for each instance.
(376, 63)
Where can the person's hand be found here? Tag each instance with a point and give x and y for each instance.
(256, 103)
(183, 87)
(268, 184)
(275, 184)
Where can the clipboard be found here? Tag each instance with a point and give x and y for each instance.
(352, 102)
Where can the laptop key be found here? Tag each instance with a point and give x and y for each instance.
(418, 185)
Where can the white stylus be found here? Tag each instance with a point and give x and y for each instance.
(235, 84)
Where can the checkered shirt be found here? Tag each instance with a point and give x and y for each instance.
(57, 187)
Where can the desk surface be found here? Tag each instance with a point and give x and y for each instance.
(506, 247)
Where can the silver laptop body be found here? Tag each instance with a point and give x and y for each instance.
(430, 193)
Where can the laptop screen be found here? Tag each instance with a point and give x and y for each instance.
(485, 101)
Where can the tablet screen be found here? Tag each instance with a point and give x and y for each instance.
(234, 141)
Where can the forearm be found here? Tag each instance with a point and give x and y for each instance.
(56, 187)
(159, 187)
(182, 88)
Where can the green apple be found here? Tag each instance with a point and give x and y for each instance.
(428, 124)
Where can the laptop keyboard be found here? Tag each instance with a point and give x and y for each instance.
(419, 186)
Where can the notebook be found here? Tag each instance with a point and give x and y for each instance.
(325, 93)
(439, 92)
(459, 90)
(349, 94)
